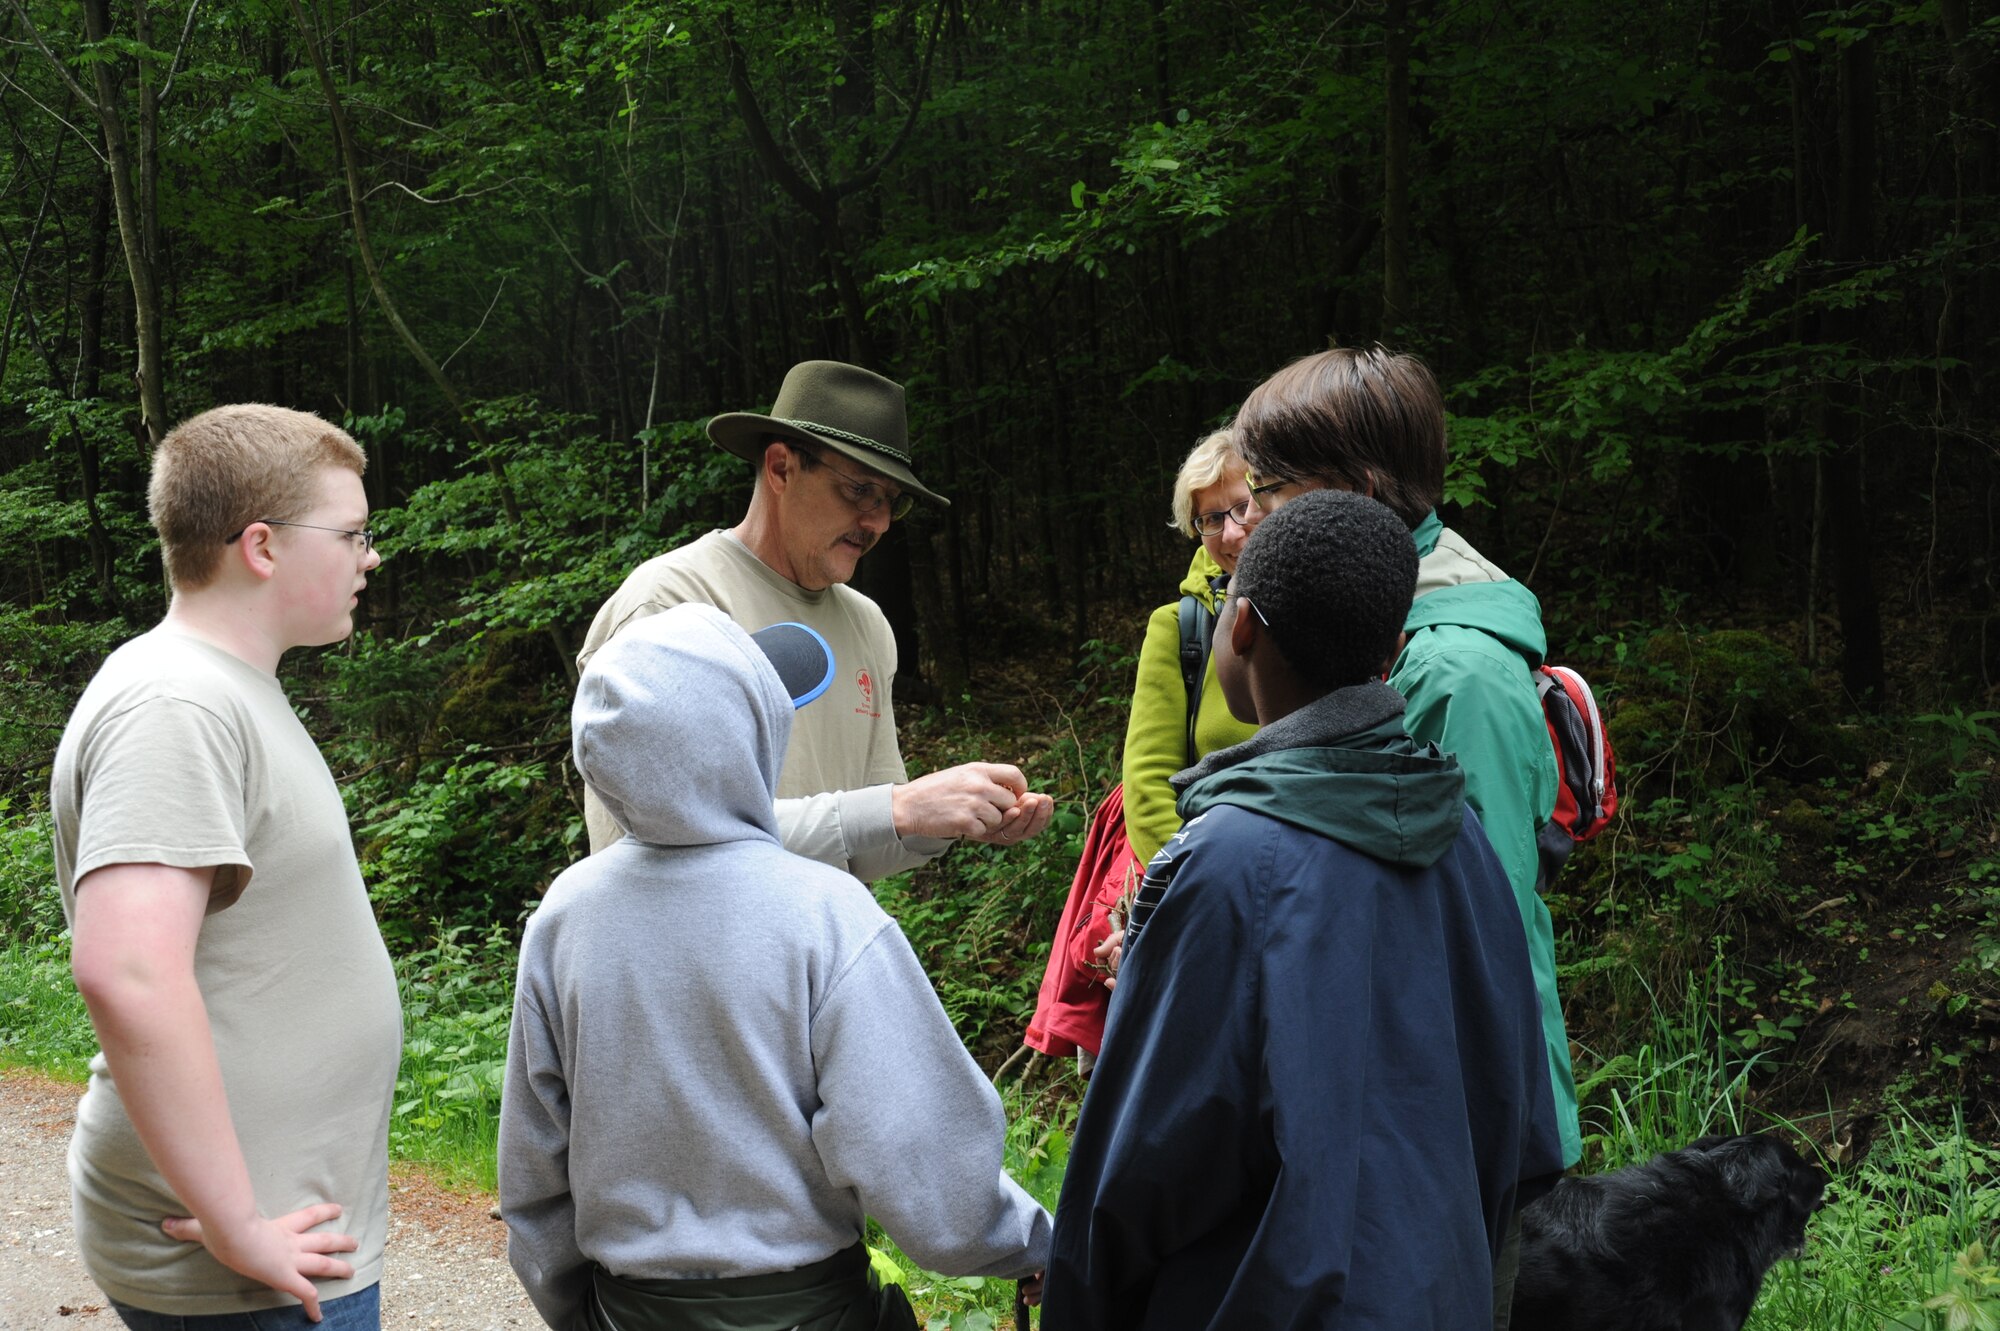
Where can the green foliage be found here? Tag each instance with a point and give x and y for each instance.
(43, 1023)
(457, 1003)
(30, 904)
(43, 668)
(1970, 1300)
(470, 844)
(1078, 233)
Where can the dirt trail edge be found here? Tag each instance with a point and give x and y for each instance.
(446, 1266)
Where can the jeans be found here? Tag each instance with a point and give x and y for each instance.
(359, 1311)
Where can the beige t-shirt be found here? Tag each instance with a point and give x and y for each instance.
(833, 794)
(179, 753)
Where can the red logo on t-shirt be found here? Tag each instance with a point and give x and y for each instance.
(866, 683)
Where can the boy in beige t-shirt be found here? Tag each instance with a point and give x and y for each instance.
(232, 1145)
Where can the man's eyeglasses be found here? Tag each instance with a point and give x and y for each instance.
(366, 535)
(1211, 524)
(867, 496)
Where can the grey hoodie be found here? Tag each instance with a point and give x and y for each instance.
(724, 1055)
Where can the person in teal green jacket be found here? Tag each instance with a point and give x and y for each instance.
(1211, 502)
(1372, 421)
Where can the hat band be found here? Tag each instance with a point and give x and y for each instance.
(861, 440)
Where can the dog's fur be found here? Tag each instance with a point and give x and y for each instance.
(1679, 1243)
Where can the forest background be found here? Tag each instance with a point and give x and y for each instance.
(1709, 286)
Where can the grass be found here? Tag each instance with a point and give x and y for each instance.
(43, 1024)
(458, 998)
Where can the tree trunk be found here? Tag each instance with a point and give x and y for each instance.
(135, 193)
(1861, 665)
(344, 146)
(1396, 170)
(89, 370)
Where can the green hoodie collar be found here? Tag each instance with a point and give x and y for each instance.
(1343, 768)
(1200, 580)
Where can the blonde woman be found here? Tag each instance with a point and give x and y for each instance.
(1174, 723)
(1169, 729)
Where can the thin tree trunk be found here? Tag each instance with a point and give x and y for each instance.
(1396, 170)
(1861, 664)
(344, 145)
(89, 370)
(135, 191)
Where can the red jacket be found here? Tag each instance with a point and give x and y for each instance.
(1069, 1013)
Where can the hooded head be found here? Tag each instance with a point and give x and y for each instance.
(681, 722)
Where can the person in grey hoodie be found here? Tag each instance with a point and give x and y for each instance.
(725, 1056)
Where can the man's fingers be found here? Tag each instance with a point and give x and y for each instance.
(1038, 809)
(183, 1227)
(1005, 775)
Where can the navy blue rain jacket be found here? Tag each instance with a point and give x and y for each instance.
(1322, 1090)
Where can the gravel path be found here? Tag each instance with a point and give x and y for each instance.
(446, 1263)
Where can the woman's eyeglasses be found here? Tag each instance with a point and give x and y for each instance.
(1211, 524)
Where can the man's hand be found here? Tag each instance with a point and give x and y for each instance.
(279, 1253)
(977, 801)
(1029, 815)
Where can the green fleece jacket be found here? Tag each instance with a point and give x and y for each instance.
(1475, 636)
(1156, 734)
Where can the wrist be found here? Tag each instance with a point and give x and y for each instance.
(227, 1218)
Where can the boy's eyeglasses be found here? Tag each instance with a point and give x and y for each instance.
(866, 496)
(366, 535)
(1211, 524)
(1264, 494)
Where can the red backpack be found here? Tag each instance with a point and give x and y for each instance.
(1586, 770)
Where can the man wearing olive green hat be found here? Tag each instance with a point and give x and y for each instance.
(833, 470)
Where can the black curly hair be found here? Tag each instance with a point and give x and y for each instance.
(1331, 573)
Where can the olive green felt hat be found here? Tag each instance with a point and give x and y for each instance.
(854, 412)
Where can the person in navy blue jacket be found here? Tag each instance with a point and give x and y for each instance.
(1322, 1090)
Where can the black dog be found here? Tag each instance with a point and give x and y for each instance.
(1680, 1243)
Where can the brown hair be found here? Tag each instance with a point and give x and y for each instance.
(1212, 460)
(217, 473)
(1368, 419)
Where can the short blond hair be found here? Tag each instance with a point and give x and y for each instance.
(1212, 459)
(216, 473)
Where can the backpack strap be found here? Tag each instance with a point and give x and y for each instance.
(1197, 625)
